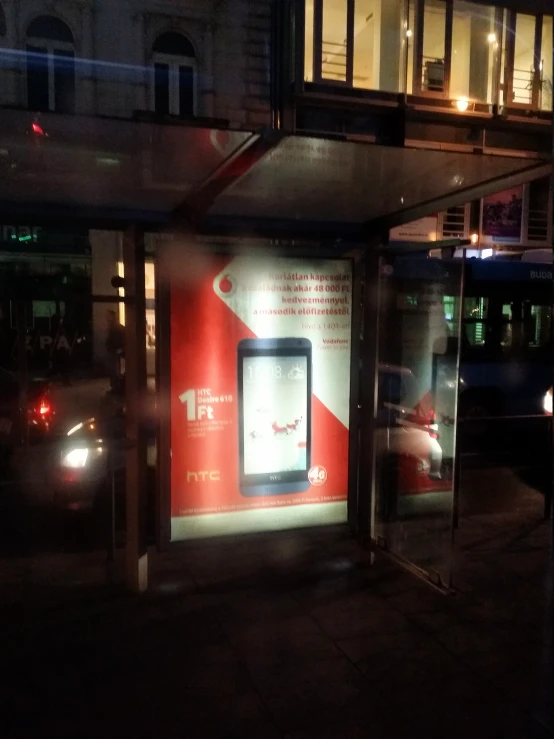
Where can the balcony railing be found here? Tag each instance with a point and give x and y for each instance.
(454, 223)
(537, 228)
(333, 62)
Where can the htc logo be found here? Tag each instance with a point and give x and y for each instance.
(203, 476)
(275, 478)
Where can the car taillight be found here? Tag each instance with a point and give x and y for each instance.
(44, 408)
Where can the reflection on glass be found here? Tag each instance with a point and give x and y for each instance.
(333, 62)
(546, 64)
(475, 317)
(416, 409)
(475, 44)
(309, 42)
(434, 30)
(524, 60)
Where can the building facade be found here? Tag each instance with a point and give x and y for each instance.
(95, 57)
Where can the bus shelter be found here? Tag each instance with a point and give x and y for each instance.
(288, 393)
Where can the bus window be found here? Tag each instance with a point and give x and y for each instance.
(537, 324)
(512, 326)
(476, 312)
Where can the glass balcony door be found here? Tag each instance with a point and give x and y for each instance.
(332, 41)
(432, 47)
(522, 75)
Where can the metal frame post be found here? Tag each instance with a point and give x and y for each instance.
(22, 368)
(136, 556)
(368, 396)
(163, 390)
(355, 415)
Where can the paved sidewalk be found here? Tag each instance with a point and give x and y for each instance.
(290, 635)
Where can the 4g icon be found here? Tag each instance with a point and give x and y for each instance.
(197, 405)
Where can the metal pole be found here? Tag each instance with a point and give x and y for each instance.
(552, 322)
(136, 557)
(22, 370)
(456, 467)
(368, 396)
(110, 553)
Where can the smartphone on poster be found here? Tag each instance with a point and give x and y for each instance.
(275, 415)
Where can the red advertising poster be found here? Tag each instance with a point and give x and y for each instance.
(260, 386)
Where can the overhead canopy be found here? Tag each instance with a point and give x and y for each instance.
(364, 186)
(114, 171)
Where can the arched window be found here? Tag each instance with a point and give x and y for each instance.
(174, 83)
(2, 22)
(50, 66)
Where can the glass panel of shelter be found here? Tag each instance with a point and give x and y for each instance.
(416, 407)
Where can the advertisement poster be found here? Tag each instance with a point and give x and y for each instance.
(422, 230)
(260, 388)
(502, 216)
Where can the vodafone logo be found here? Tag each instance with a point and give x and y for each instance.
(225, 285)
(317, 476)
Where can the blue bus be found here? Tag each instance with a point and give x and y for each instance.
(506, 341)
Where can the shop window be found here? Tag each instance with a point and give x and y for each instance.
(434, 47)
(333, 41)
(174, 75)
(379, 44)
(50, 66)
(546, 64)
(360, 43)
(475, 45)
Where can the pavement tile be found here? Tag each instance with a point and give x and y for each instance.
(311, 703)
(354, 616)
(292, 641)
(420, 599)
(258, 609)
(400, 640)
(461, 639)
(333, 669)
(398, 670)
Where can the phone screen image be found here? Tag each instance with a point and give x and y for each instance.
(274, 415)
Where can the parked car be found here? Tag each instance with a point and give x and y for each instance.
(38, 414)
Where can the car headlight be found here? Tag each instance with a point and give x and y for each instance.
(547, 402)
(79, 458)
(75, 458)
